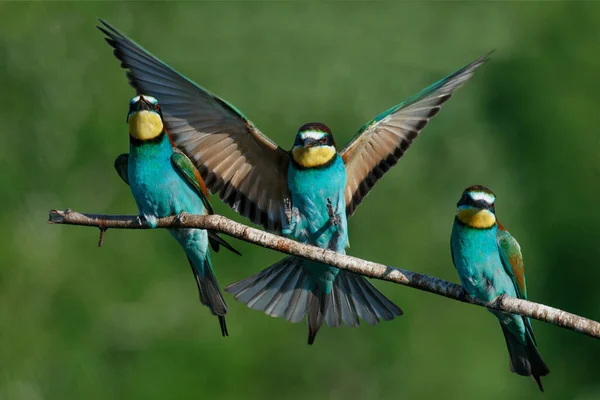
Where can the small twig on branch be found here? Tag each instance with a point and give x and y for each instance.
(370, 269)
(101, 238)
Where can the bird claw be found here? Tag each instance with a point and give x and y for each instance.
(287, 206)
(149, 221)
(291, 216)
(464, 296)
(499, 300)
(180, 217)
(334, 219)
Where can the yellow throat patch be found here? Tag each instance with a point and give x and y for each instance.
(476, 218)
(145, 125)
(309, 157)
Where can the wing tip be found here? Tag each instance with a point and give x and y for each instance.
(107, 28)
(479, 62)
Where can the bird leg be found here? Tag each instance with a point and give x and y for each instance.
(499, 300)
(334, 218)
(287, 206)
(290, 222)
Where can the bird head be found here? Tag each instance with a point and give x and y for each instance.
(476, 207)
(144, 118)
(314, 146)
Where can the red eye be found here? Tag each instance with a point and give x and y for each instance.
(324, 140)
(158, 107)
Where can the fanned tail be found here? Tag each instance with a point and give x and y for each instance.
(286, 290)
(525, 360)
(354, 296)
(210, 295)
(282, 290)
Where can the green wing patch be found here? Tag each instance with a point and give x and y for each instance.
(190, 173)
(512, 259)
(184, 166)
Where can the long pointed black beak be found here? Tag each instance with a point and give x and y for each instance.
(483, 205)
(142, 104)
(310, 142)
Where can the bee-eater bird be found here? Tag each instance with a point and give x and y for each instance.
(164, 182)
(489, 263)
(306, 193)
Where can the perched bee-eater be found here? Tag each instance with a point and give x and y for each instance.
(306, 193)
(164, 182)
(489, 263)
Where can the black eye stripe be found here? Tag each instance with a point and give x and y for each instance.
(467, 200)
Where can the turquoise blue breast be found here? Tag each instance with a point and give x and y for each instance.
(481, 272)
(156, 186)
(310, 189)
(477, 261)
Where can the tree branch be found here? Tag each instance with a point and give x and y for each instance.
(416, 280)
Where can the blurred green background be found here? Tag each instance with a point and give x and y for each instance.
(124, 322)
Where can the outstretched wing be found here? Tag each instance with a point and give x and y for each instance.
(246, 169)
(121, 165)
(381, 142)
(512, 260)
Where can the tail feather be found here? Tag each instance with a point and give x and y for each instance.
(266, 290)
(223, 325)
(317, 306)
(279, 302)
(246, 289)
(363, 308)
(262, 299)
(525, 360)
(333, 316)
(383, 307)
(210, 295)
(286, 290)
(296, 307)
(347, 308)
(217, 241)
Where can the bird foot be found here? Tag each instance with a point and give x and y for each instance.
(140, 220)
(499, 300)
(334, 218)
(180, 217)
(464, 296)
(290, 216)
(287, 205)
(148, 220)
